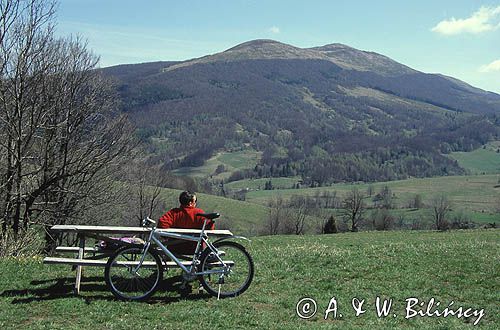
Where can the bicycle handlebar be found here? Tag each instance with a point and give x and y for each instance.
(148, 221)
(210, 216)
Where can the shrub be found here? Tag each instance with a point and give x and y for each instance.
(330, 226)
(27, 244)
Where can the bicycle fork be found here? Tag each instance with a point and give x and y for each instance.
(135, 271)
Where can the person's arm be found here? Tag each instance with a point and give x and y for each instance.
(166, 220)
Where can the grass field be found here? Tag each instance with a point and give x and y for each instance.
(424, 216)
(473, 193)
(259, 184)
(484, 160)
(475, 196)
(232, 161)
(459, 266)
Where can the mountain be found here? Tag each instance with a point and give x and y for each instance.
(339, 54)
(329, 113)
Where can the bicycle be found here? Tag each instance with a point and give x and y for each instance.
(224, 268)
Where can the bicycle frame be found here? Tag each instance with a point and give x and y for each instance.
(154, 237)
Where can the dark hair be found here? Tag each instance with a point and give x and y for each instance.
(186, 197)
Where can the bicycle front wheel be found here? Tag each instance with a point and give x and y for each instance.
(228, 278)
(127, 282)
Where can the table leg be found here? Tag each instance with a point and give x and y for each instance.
(81, 248)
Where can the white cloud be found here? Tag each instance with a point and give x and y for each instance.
(493, 66)
(481, 21)
(274, 29)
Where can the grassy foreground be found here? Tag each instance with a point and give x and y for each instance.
(458, 266)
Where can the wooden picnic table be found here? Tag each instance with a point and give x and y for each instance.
(106, 233)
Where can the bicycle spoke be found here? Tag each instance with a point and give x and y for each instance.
(130, 283)
(232, 276)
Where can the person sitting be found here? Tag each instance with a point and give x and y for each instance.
(184, 216)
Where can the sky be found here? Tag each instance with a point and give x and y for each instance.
(459, 38)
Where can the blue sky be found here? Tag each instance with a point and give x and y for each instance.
(456, 38)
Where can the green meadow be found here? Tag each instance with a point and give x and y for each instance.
(485, 160)
(476, 197)
(232, 161)
(259, 184)
(478, 193)
(457, 267)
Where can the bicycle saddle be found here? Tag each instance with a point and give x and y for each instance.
(210, 216)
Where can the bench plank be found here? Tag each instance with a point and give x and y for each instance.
(134, 230)
(75, 249)
(101, 263)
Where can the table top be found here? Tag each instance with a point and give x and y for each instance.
(133, 230)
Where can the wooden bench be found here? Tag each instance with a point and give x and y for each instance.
(75, 249)
(103, 262)
(106, 233)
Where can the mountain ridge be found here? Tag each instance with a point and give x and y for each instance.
(270, 49)
(328, 113)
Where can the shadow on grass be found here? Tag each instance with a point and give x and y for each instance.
(61, 288)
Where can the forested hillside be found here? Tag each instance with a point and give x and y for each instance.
(328, 114)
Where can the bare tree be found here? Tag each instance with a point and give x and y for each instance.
(300, 208)
(144, 185)
(329, 199)
(387, 197)
(354, 207)
(60, 132)
(417, 202)
(277, 215)
(148, 199)
(23, 46)
(382, 219)
(370, 190)
(441, 206)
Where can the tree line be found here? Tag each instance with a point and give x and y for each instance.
(325, 212)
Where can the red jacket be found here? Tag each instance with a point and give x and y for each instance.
(184, 217)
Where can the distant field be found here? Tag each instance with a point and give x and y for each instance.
(424, 216)
(259, 184)
(483, 160)
(232, 161)
(474, 193)
(473, 196)
(458, 266)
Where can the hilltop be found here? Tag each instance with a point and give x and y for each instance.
(342, 55)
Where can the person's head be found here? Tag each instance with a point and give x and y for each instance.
(187, 198)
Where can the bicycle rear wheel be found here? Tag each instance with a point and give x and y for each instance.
(230, 278)
(128, 284)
